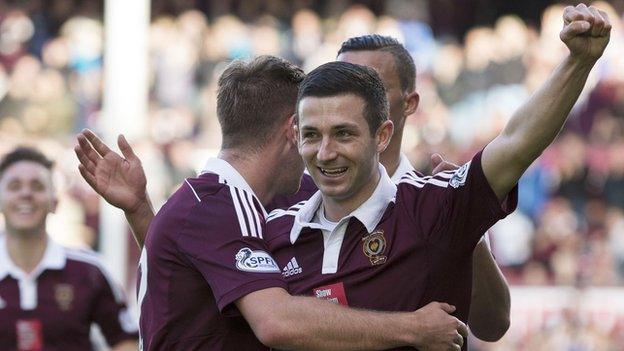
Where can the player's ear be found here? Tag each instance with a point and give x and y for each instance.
(290, 129)
(383, 135)
(410, 103)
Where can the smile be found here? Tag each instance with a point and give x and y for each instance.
(335, 172)
(25, 209)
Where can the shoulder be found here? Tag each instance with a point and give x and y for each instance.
(90, 264)
(214, 204)
(280, 221)
(416, 180)
(281, 215)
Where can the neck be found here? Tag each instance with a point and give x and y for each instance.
(26, 250)
(336, 209)
(256, 169)
(391, 157)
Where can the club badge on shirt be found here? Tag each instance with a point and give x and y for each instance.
(374, 245)
(29, 335)
(64, 295)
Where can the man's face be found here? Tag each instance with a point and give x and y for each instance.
(336, 145)
(383, 63)
(26, 196)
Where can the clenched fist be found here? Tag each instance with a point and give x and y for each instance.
(586, 31)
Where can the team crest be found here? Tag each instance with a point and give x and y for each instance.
(459, 178)
(374, 246)
(64, 295)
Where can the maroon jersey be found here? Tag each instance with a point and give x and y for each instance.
(53, 307)
(204, 250)
(407, 245)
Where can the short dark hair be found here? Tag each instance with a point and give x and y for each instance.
(339, 78)
(253, 96)
(24, 153)
(403, 61)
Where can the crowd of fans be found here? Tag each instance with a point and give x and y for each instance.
(569, 228)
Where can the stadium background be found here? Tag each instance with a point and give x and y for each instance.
(478, 60)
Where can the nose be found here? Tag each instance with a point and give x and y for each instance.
(25, 192)
(326, 151)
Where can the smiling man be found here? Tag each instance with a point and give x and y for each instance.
(364, 241)
(50, 295)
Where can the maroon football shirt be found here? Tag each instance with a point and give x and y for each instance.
(204, 250)
(52, 308)
(408, 245)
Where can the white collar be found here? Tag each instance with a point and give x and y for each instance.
(227, 172)
(404, 166)
(53, 258)
(369, 213)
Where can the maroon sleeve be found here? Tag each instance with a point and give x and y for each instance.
(233, 262)
(110, 311)
(457, 207)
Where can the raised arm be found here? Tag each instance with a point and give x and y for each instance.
(119, 180)
(283, 321)
(535, 125)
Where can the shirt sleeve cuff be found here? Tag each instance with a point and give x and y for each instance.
(225, 303)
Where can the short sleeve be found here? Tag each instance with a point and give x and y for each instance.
(110, 310)
(223, 240)
(457, 207)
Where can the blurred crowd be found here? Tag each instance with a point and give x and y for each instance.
(569, 228)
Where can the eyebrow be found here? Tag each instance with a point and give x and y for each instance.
(338, 126)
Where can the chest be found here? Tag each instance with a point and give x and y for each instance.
(46, 308)
(387, 269)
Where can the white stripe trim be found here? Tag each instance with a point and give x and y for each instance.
(280, 213)
(256, 217)
(429, 179)
(239, 212)
(437, 182)
(422, 185)
(247, 212)
(194, 192)
(294, 262)
(94, 260)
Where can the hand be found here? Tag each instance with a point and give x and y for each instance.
(439, 331)
(586, 31)
(119, 180)
(439, 164)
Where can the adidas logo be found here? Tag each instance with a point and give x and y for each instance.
(292, 268)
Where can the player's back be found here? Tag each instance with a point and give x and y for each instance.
(179, 297)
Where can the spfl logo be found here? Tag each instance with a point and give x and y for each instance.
(248, 260)
(459, 178)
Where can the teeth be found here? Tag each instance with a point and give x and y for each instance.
(334, 171)
(24, 209)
